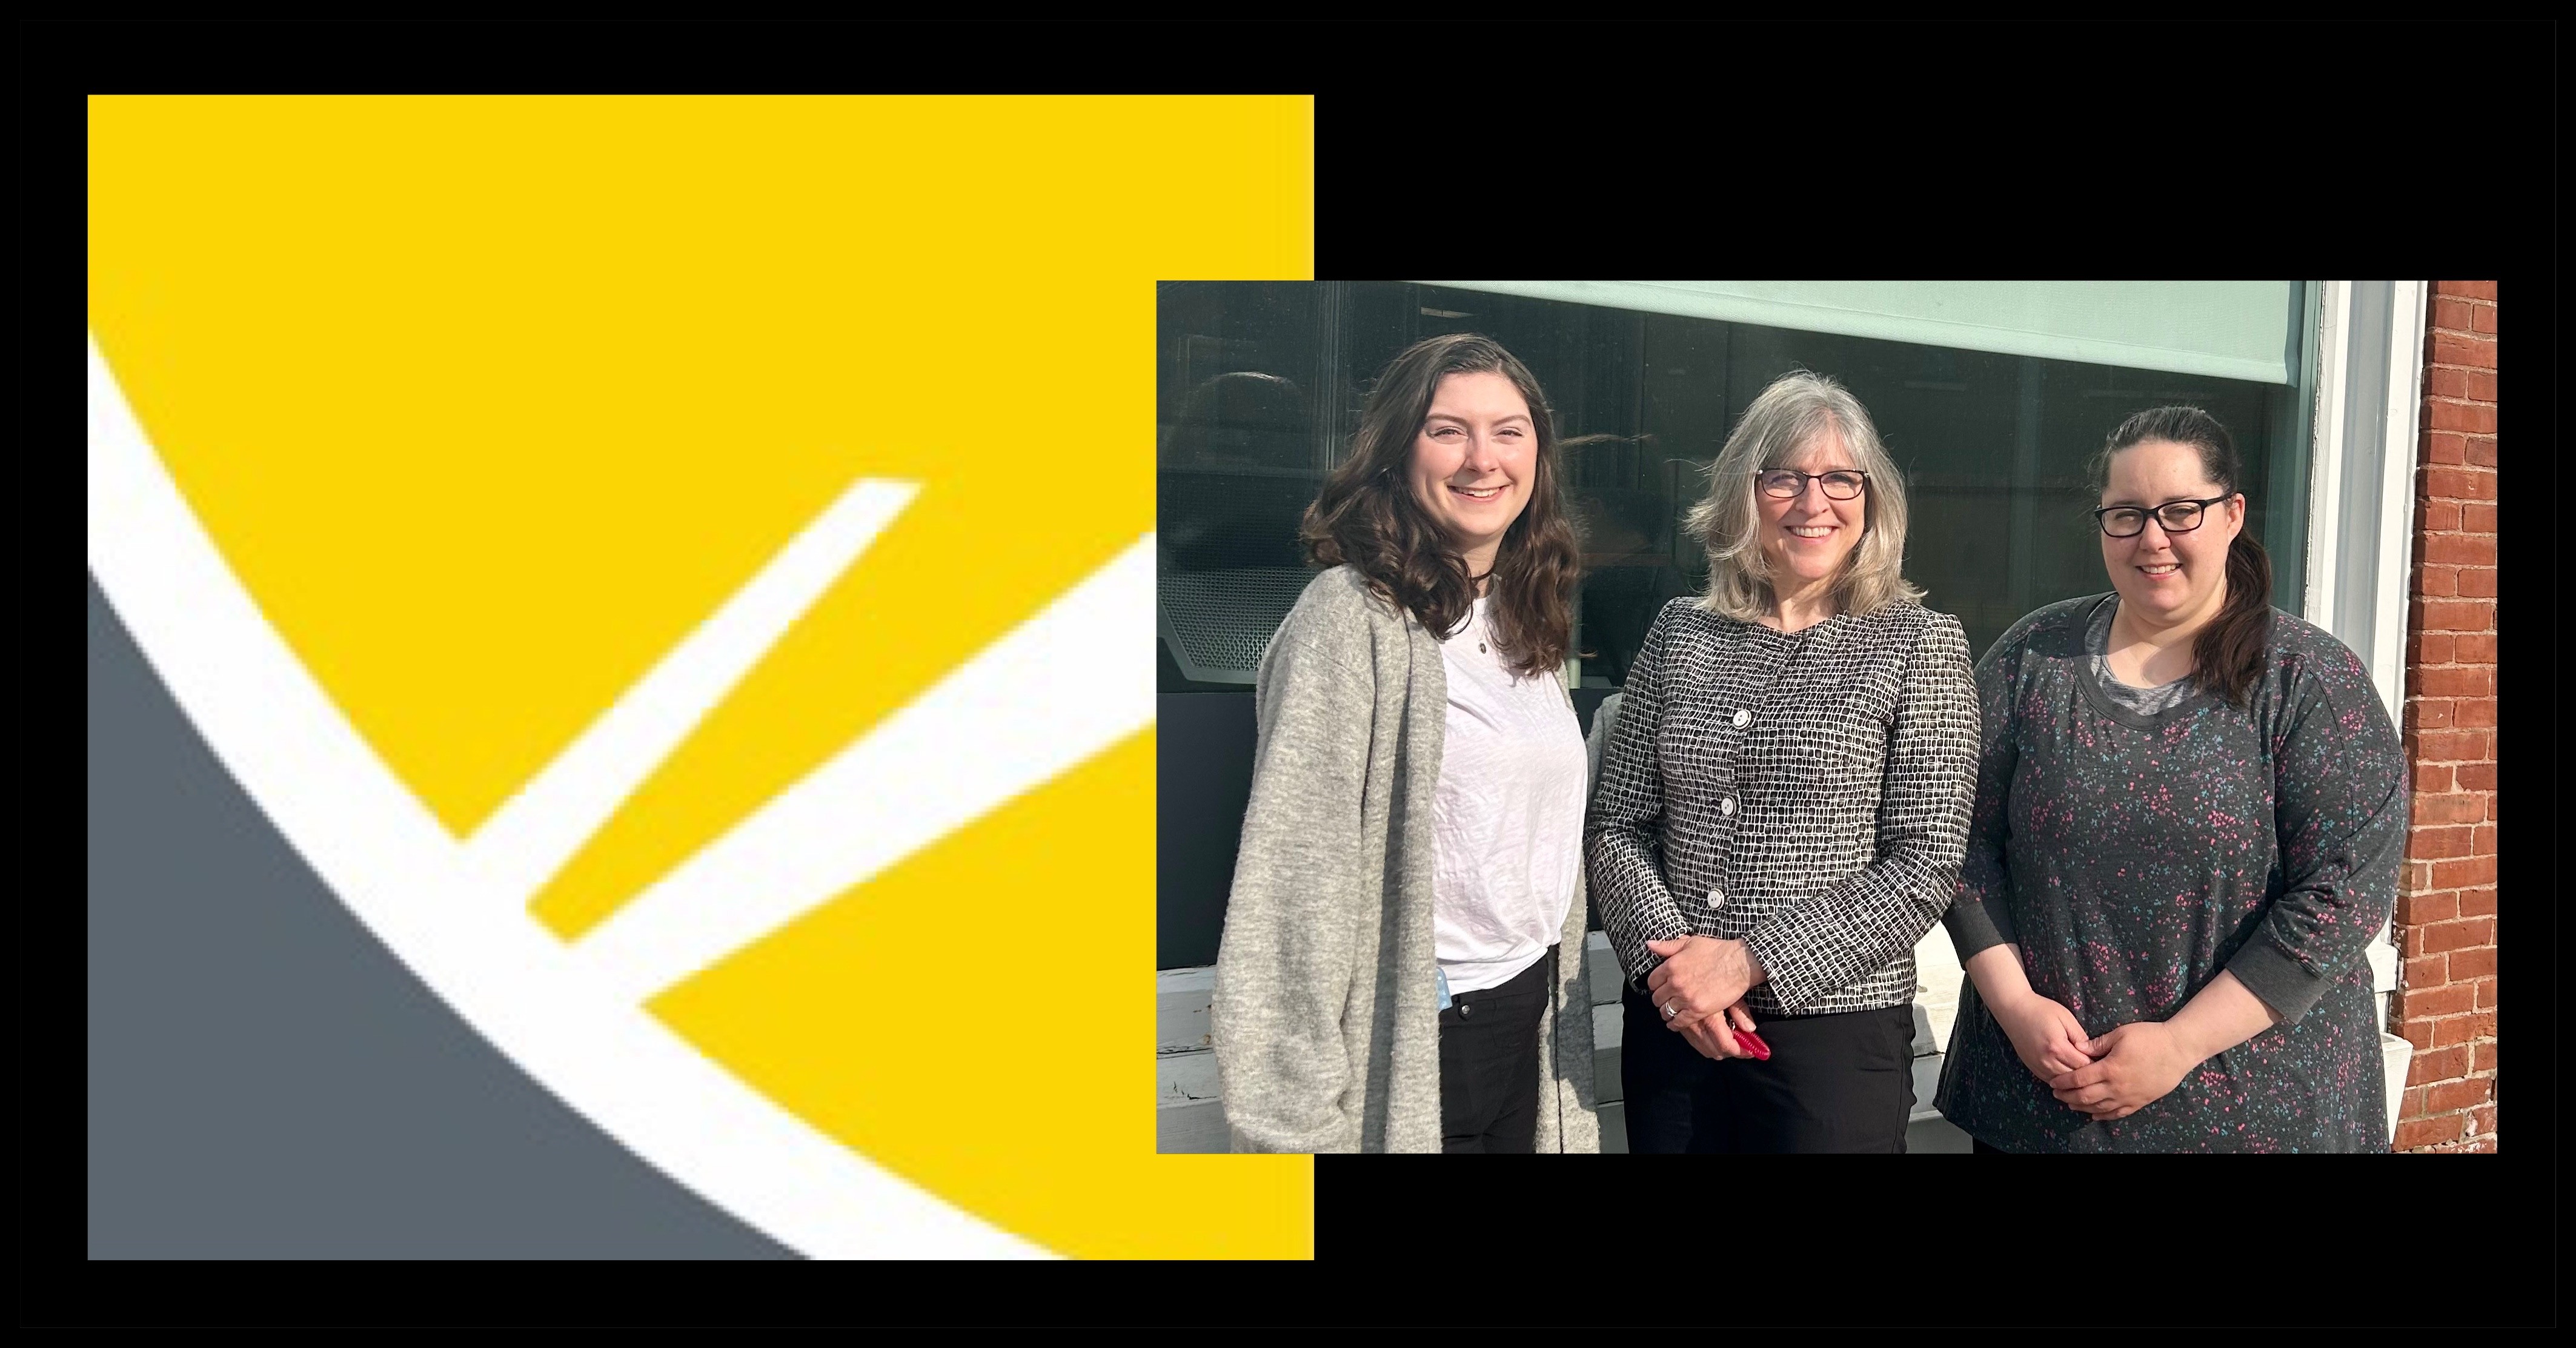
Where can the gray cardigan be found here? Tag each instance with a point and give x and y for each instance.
(1327, 1028)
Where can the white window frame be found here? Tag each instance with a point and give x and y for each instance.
(2361, 527)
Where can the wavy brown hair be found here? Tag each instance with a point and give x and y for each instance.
(1365, 517)
(2227, 656)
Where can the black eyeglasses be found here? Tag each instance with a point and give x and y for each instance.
(1788, 484)
(2176, 517)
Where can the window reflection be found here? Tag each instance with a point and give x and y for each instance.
(1259, 393)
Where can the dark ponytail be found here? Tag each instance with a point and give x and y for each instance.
(2227, 656)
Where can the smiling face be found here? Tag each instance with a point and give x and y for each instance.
(1807, 538)
(1473, 462)
(2169, 579)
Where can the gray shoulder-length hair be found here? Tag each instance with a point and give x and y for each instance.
(1797, 408)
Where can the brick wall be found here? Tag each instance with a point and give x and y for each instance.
(2446, 906)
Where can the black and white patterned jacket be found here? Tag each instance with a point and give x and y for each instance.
(1805, 793)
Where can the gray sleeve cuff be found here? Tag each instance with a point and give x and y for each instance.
(1975, 926)
(2283, 983)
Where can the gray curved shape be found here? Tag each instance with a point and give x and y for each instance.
(266, 1080)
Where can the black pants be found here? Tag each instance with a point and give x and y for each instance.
(1837, 1083)
(1489, 1067)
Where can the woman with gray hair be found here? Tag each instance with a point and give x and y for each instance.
(1783, 802)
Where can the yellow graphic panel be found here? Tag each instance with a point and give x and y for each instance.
(490, 402)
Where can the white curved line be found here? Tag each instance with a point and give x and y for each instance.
(530, 837)
(386, 856)
(1048, 695)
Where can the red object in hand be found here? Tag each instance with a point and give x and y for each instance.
(1753, 1044)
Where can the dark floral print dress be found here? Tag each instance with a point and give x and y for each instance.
(2133, 857)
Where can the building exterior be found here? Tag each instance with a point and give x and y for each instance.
(2446, 908)
(2369, 445)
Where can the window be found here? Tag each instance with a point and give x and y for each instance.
(1261, 385)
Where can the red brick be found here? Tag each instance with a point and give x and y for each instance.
(2477, 582)
(2434, 844)
(2482, 1056)
(2484, 843)
(2414, 1133)
(2480, 385)
(2478, 517)
(2464, 873)
(2476, 963)
(2461, 484)
(2450, 808)
(2441, 1064)
(2482, 455)
(2474, 648)
(2441, 382)
(2428, 713)
(2419, 1033)
(2452, 1095)
(2484, 1117)
(2486, 995)
(2430, 648)
(2483, 319)
(2479, 902)
(2411, 1101)
(2420, 910)
(2452, 484)
(2477, 776)
(2415, 877)
(2472, 418)
(2451, 746)
(2434, 1004)
(2433, 777)
(2451, 313)
(2475, 290)
(2438, 582)
(2433, 517)
(2460, 550)
(2474, 711)
(2446, 449)
(2456, 615)
(2443, 937)
(2451, 348)
(2449, 1030)
(2461, 680)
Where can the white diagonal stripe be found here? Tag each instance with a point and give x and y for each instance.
(376, 845)
(1053, 692)
(538, 829)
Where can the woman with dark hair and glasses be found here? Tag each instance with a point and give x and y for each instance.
(2190, 812)
(1783, 800)
(1402, 966)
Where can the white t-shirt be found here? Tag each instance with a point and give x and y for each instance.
(1508, 814)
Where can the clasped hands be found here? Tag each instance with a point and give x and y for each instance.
(1699, 988)
(2105, 1077)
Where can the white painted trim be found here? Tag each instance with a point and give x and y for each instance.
(2387, 653)
(2343, 368)
(2325, 465)
(2383, 650)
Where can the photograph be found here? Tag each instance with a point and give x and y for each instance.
(1841, 716)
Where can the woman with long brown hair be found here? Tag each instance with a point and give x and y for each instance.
(1402, 962)
(2190, 810)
